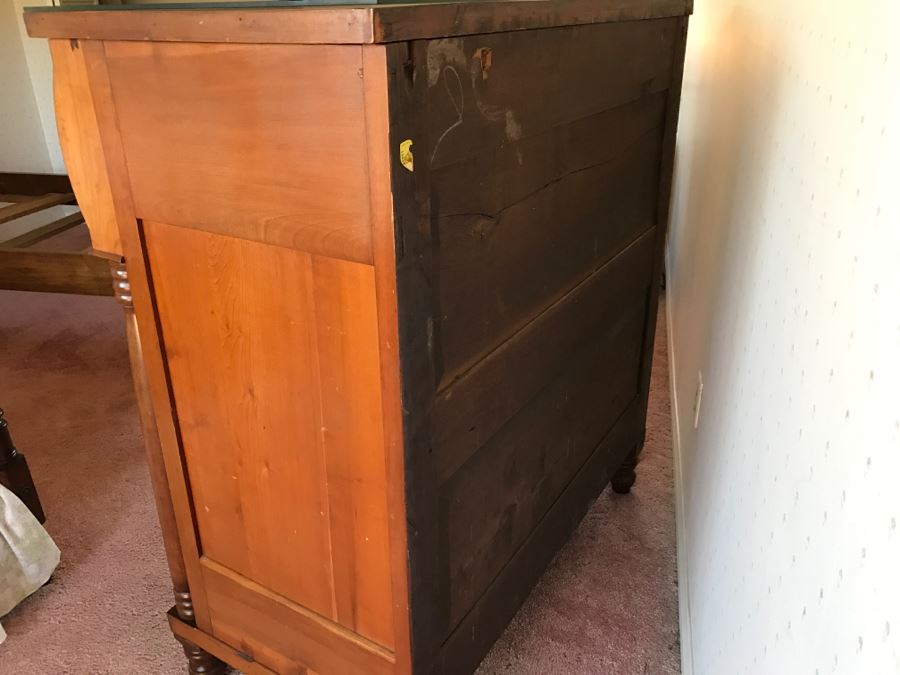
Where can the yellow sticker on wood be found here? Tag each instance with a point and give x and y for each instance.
(406, 154)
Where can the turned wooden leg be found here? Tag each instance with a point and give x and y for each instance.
(14, 473)
(199, 661)
(625, 476)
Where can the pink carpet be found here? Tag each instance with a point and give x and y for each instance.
(607, 604)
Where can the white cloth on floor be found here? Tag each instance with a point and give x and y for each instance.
(28, 555)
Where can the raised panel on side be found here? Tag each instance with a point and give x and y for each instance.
(274, 367)
(263, 142)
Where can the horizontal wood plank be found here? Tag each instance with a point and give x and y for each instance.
(416, 22)
(563, 202)
(54, 272)
(472, 638)
(468, 413)
(310, 25)
(277, 632)
(491, 505)
(274, 152)
(341, 25)
(487, 91)
(233, 657)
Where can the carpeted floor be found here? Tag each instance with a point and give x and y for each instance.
(608, 603)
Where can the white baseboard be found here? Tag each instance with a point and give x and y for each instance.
(684, 606)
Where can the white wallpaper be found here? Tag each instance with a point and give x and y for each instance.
(784, 290)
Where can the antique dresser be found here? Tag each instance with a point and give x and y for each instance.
(390, 274)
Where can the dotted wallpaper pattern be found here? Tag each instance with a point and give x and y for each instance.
(784, 290)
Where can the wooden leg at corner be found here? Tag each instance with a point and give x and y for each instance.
(623, 479)
(201, 662)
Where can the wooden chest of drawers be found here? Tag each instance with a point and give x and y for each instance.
(390, 274)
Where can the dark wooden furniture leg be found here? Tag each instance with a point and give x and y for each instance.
(14, 473)
(200, 662)
(624, 477)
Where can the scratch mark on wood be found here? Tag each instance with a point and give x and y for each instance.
(458, 105)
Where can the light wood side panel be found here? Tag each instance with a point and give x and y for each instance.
(236, 321)
(376, 80)
(347, 346)
(283, 635)
(262, 142)
(274, 363)
(79, 136)
(132, 249)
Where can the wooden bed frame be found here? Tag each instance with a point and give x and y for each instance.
(84, 272)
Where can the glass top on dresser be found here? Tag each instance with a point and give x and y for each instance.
(130, 5)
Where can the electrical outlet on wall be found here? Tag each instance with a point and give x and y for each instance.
(698, 398)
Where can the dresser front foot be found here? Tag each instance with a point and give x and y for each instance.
(624, 477)
(201, 662)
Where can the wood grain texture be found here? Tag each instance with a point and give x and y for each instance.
(484, 92)
(54, 272)
(414, 22)
(349, 381)
(384, 397)
(282, 635)
(492, 504)
(274, 152)
(378, 68)
(82, 148)
(188, 633)
(162, 495)
(234, 318)
(97, 88)
(342, 25)
(531, 169)
(582, 192)
(469, 413)
(525, 247)
(466, 646)
(313, 25)
(273, 356)
(412, 283)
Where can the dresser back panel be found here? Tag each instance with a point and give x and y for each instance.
(542, 164)
(273, 362)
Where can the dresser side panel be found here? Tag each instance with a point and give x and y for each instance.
(262, 142)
